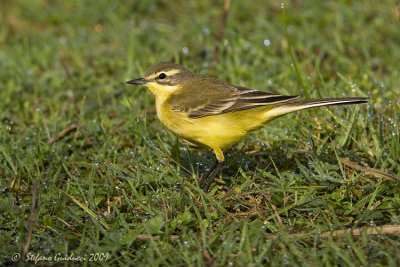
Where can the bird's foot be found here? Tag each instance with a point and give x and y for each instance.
(210, 175)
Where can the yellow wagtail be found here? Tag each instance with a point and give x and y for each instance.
(215, 114)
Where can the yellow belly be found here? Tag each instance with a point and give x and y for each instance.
(218, 131)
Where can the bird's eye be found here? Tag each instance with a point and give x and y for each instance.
(162, 75)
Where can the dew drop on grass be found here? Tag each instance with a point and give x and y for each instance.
(185, 50)
(267, 42)
(246, 166)
(286, 261)
(206, 31)
(30, 72)
(63, 40)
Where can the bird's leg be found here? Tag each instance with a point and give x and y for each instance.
(207, 174)
(210, 175)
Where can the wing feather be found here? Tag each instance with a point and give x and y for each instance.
(218, 97)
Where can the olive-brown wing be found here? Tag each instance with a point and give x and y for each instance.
(208, 97)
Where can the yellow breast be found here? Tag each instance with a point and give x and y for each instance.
(217, 131)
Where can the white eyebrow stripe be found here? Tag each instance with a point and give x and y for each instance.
(151, 77)
(168, 73)
(172, 72)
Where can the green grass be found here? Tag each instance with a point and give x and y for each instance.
(119, 178)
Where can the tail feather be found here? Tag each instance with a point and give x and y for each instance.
(295, 105)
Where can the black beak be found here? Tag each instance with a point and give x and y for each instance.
(137, 81)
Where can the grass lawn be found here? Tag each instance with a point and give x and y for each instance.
(88, 174)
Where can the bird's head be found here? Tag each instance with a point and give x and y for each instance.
(164, 78)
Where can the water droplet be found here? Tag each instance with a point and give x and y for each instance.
(267, 42)
(63, 40)
(286, 261)
(185, 50)
(206, 31)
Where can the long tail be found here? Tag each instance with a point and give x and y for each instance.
(295, 105)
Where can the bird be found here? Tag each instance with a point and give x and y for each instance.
(215, 114)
